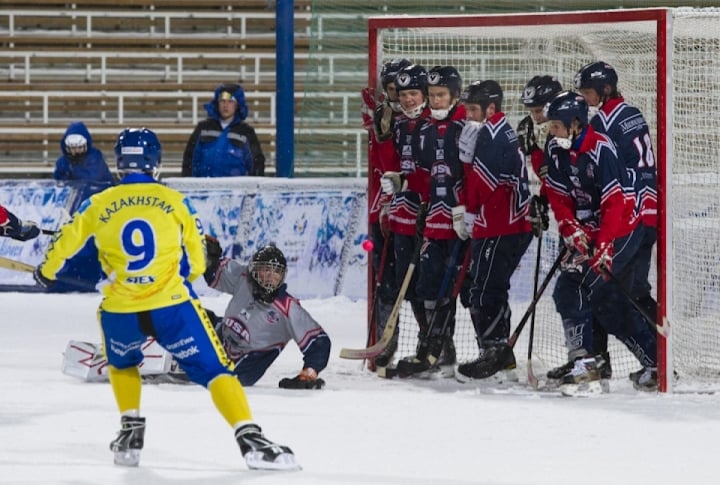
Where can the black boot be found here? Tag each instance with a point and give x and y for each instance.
(262, 454)
(493, 358)
(129, 441)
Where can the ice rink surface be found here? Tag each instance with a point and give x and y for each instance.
(360, 429)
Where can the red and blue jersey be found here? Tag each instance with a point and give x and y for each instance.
(496, 182)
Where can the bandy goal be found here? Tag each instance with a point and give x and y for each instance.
(668, 63)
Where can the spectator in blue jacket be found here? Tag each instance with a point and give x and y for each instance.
(80, 160)
(224, 145)
(83, 166)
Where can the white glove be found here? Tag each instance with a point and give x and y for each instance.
(392, 182)
(468, 138)
(459, 224)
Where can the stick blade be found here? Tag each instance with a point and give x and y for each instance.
(16, 265)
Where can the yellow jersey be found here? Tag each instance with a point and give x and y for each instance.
(150, 244)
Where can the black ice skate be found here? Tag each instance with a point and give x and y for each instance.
(645, 380)
(603, 364)
(583, 380)
(262, 454)
(412, 366)
(493, 359)
(129, 441)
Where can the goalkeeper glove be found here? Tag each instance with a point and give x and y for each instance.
(214, 255)
(307, 379)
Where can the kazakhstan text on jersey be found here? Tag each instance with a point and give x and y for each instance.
(149, 239)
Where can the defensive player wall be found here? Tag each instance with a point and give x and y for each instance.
(319, 224)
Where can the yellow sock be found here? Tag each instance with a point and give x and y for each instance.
(126, 385)
(229, 398)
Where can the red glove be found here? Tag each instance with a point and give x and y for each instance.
(601, 261)
(574, 235)
(367, 108)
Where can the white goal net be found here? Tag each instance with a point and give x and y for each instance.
(668, 62)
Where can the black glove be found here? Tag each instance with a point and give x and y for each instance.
(539, 218)
(526, 135)
(214, 253)
(307, 379)
(41, 280)
(19, 230)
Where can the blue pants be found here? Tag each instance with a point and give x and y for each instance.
(404, 251)
(387, 291)
(494, 260)
(184, 330)
(581, 294)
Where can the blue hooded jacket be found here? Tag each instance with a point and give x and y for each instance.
(91, 167)
(223, 152)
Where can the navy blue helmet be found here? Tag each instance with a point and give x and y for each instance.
(138, 150)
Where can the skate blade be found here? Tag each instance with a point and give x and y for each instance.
(584, 389)
(256, 460)
(127, 458)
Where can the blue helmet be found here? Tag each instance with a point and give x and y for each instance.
(446, 76)
(567, 106)
(138, 150)
(483, 93)
(390, 70)
(539, 90)
(412, 77)
(597, 75)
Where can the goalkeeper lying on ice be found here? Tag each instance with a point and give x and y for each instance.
(260, 319)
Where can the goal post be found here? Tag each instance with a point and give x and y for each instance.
(668, 63)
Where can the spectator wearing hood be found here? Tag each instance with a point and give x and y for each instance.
(80, 160)
(224, 145)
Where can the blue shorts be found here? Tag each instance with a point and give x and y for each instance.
(184, 330)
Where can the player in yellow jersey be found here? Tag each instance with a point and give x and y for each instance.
(151, 245)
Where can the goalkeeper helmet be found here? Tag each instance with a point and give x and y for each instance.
(597, 75)
(138, 150)
(539, 90)
(267, 269)
(390, 70)
(483, 93)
